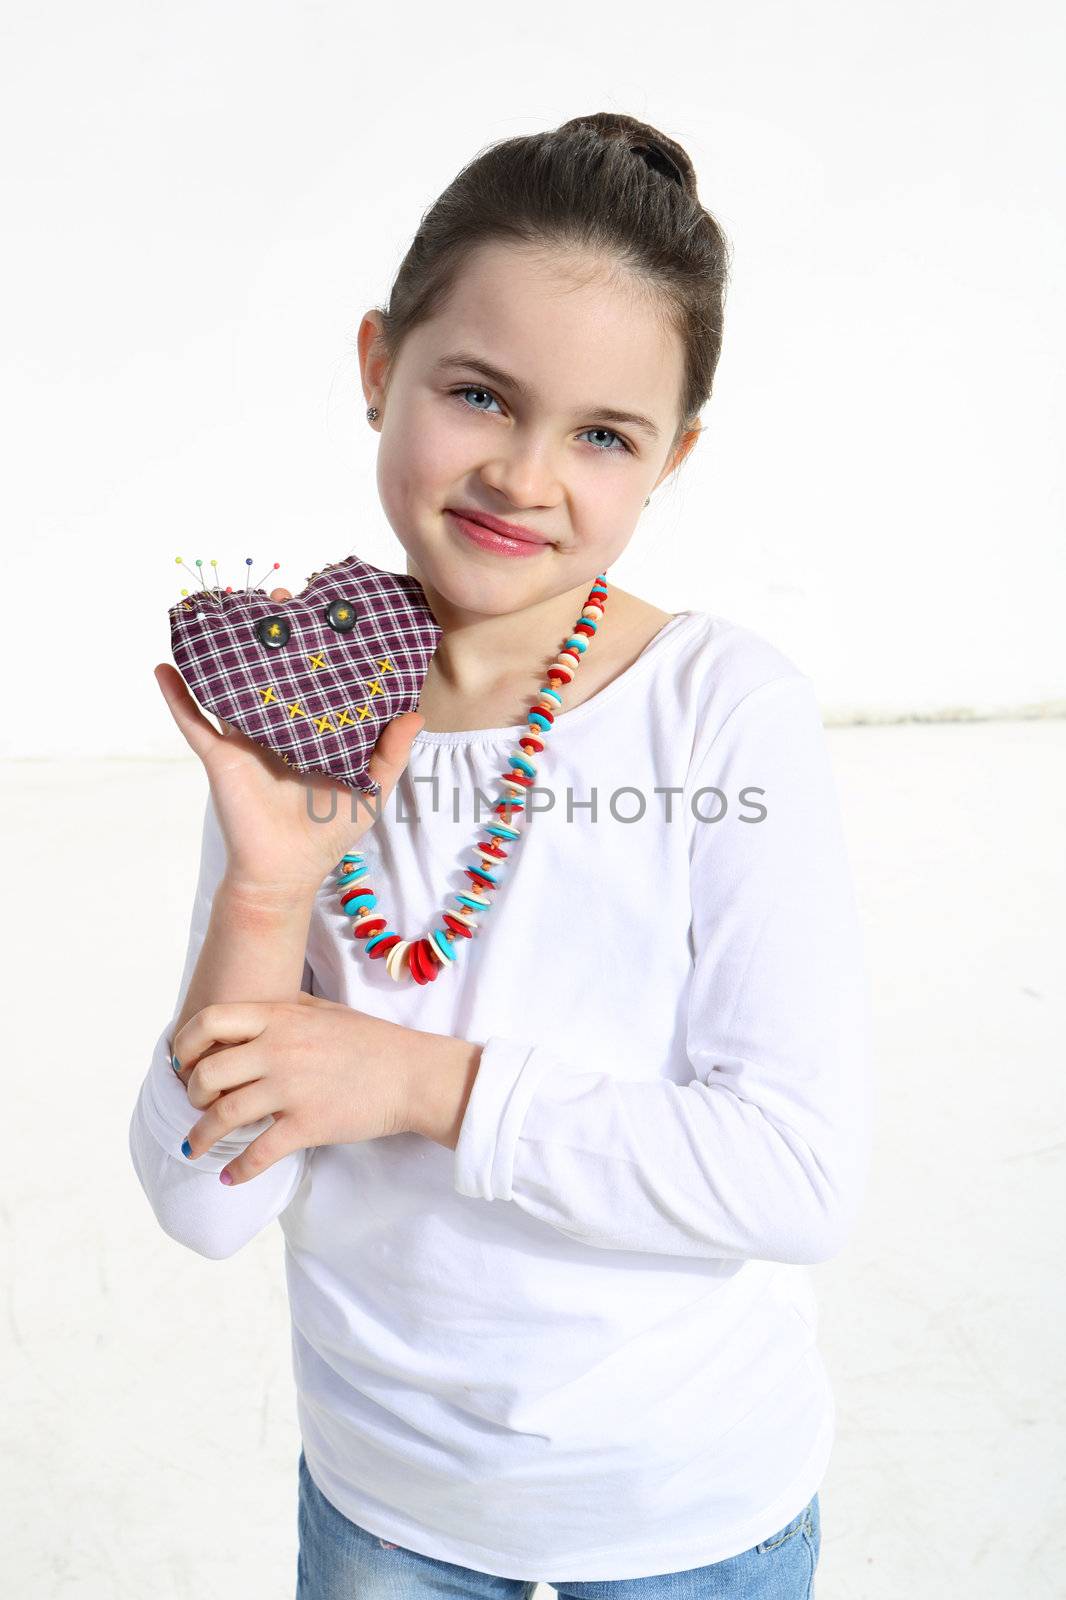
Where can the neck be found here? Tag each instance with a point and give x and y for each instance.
(478, 650)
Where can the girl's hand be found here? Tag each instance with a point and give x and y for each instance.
(273, 844)
(326, 1073)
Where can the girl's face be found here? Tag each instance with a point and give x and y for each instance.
(545, 394)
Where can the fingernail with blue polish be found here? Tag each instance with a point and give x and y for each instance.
(186, 1148)
(175, 1063)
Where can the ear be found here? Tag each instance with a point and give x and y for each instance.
(373, 365)
(684, 445)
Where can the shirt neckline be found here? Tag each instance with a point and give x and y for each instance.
(579, 714)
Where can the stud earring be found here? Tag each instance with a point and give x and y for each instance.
(371, 413)
(648, 501)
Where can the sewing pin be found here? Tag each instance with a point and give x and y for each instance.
(267, 573)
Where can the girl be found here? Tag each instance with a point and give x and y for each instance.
(547, 1212)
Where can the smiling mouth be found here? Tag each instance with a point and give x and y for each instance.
(503, 530)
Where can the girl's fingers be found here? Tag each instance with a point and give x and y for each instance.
(393, 749)
(275, 1142)
(192, 724)
(226, 1023)
(247, 1104)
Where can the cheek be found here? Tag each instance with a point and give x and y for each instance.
(422, 451)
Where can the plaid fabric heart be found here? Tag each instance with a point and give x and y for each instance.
(315, 678)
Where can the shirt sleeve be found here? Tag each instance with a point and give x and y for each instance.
(764, 1152)
(189, 1203)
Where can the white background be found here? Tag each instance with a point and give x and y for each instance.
(199, 201)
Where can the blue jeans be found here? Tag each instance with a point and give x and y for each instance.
(339, 1560)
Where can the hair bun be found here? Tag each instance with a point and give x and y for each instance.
(657, 150)
(657, 158)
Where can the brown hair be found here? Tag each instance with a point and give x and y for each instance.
(605, 183)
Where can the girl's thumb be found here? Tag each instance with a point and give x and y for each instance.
(393, 749)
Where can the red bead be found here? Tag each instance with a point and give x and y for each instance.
(383, 946)
(542, 713)
(457, 925)
(495, 849)
(585, 627)
(414, 966)
(362, 930)
(522, 778)
(430, 967)
(350, 894)
(478, 878)
(528, 743)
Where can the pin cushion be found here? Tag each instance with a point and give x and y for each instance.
(314, 678)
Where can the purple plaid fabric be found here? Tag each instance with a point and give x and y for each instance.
(319, 700)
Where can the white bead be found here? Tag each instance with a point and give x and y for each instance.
(394, 959)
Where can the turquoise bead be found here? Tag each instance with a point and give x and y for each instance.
(370, 943)
(465, 900)
(523, 765)
(351, 877)
(501, 830)
(353, 855)
(535, 716)
(350, 907)
(545, 689)
(442, 944)
(512, 800)
(577, 642)
(487, 875)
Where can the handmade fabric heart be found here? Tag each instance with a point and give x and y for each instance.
(315, 678)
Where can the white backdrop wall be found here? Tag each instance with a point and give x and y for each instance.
(200, 201)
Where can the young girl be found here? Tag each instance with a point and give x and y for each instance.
(547, 1213)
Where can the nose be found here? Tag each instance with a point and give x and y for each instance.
(524, 472)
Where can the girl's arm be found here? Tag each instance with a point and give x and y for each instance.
(239, 948)
(764, 1153)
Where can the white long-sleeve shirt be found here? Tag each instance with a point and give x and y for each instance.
(583, 1344)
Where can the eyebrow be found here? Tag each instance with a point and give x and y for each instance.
(464, 358)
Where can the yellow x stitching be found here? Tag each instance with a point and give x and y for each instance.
(294, 710)
(323, 724)
(385, 665)
(317, 661)
(375, 688)
(343, 719)
(268, 694)
(364, 712)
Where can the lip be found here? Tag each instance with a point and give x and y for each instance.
(509, 530)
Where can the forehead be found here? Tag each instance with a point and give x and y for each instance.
(570, 326)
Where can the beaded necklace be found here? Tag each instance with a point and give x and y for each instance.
(422, 959)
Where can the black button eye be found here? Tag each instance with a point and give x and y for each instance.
(340, 614)
(273, 631)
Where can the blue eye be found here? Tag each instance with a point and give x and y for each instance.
(477, 388)
(613, 435)
(472, 388)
